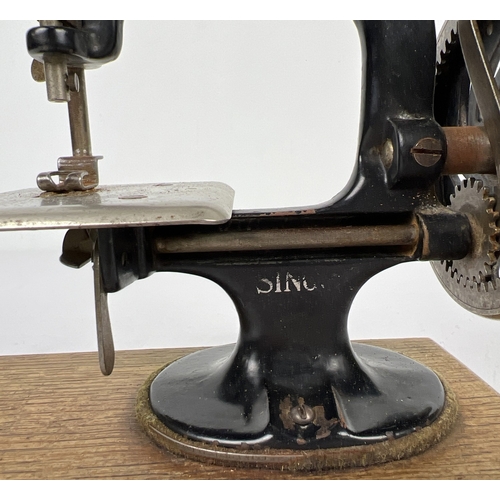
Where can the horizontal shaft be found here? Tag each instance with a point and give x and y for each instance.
(291, 239)
(468, 151)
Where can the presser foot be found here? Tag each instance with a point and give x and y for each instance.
(404, 408)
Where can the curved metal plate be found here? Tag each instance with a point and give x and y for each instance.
(118, 206)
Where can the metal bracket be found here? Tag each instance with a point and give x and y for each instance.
(76, 173)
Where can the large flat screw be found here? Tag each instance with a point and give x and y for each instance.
(427, 152)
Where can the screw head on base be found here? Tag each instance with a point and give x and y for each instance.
(302, 414)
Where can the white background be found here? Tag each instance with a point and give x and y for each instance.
(270, 108)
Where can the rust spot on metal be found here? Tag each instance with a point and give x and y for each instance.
(286, 213)
(325, 425)
(322, 434)
(285, 407)
(390, 435)
(342, 423)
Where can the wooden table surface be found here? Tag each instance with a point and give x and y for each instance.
(61, 419)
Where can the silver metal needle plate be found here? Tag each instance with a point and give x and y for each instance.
(118, 206)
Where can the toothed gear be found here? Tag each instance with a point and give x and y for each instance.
(473, 281)
(470, 278)
(472, 197)
(448, 38)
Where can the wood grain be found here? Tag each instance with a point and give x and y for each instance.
(61, 419)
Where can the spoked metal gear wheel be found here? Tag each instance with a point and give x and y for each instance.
(474, 281)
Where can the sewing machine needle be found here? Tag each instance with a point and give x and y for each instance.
(104, 334)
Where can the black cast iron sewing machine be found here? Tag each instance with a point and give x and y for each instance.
(294, 392)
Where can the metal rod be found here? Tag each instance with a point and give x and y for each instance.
(55, 72)
(288, 239)
(78, 115)
(55, 77)
(468, 151)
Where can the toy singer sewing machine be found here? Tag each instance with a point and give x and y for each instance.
(293, 392)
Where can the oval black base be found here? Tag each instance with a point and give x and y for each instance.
(300, 459)
(395, 397)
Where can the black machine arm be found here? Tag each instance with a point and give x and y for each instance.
(392, 185)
